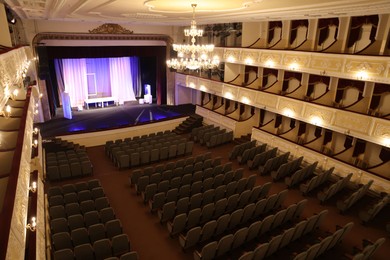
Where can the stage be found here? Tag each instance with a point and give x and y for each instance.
(112, 117)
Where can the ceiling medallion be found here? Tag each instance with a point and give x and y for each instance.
(110, 28)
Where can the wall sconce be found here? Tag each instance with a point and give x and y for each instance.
(362, 75)
(32, 226)
(245, 100)
(288, 112)
(33, 187)
(270, 63)
(7, 112)
(229, 95)
(14, 94)
(248, 61)
(36, 130)
(40, 95)
(36, 112)
(317, 121)
(231, 59)
(386, 141)
(35, 143)
(293, 66)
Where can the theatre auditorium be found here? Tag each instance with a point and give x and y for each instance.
(200, 129)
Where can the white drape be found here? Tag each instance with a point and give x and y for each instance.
(121, 80)
(75, 80)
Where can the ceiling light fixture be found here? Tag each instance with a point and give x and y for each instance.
(193, 56)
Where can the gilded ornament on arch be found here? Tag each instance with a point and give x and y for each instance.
(110, 28)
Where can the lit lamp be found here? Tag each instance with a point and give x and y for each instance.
(35, 143)
(36, 130)
(193, 56)
(33, 187)
(7, 112)
(32, 226)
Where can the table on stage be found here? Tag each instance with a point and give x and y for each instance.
(98, 100)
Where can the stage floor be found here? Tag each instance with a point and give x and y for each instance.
(111, 118)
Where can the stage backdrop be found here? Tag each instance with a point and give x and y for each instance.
(88, 78)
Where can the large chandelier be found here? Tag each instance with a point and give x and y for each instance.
(193, 56)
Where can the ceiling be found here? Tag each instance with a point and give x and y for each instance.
(179, 12)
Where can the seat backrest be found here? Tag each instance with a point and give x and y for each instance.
(120, 244)
(96, 232)
(113, 228)
(224, 245)
(102, 249)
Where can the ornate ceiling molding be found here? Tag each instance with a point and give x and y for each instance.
(110, 28)
(40, 37)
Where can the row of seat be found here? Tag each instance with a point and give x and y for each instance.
(73, 188)
(198, 132)
(181, 176)
(371, 213)
(334, 188)
(239, 217)
(239, 149)
(66, 171)
(368, 250)
(132, 158)
(119, 246)
(141, 138)
(67, 154)
(197, 183)
(273, 163)
(204, 135)
(220, 138)
(300, 175)
(57, 144)
(287, 169)
(160, 168)
(170, 209)
(196, 191)
(141, 143)
(80, 234)
(80, 220)
(288, 236)
(74, 197)
(325, 244)
(316, 181)
(250, 153)
(344, 205)
(241, 206)
(226, 243)
(261, 158)
(70, 209)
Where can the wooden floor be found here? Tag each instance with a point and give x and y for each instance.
(152, 241)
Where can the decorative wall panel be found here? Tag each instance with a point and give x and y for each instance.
(358, 123)
(339, 65)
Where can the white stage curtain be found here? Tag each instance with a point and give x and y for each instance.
(121, 79)
(75, 80)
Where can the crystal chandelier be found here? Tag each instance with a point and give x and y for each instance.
(193, 56)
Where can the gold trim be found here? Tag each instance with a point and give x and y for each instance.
(110, 28)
